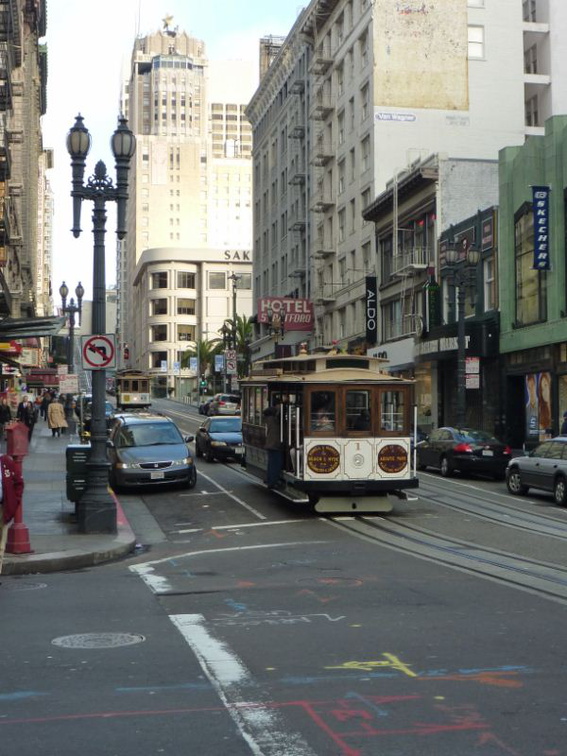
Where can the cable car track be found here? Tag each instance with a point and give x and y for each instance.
(543, 579)
(497, 512)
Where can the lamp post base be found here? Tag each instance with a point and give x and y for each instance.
(96, 510)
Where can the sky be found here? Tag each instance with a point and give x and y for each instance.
(89, 44)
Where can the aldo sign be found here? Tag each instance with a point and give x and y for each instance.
(371, 310)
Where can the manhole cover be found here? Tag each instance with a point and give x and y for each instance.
(97, 640)
(23, 586)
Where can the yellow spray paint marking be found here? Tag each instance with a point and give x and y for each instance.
(367, 666)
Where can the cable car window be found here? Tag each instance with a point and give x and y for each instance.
(323, 411)
(358, 410)
(392, 411)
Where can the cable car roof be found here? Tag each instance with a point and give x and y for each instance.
(322, 367)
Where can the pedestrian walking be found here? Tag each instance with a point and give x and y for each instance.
(45, 399)
(27, 414)
(56, 417)
(71, 414)
(5, 417)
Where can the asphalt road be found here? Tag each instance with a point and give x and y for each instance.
(247, 626)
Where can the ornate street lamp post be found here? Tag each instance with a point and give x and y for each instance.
(71, 309)
(462, 274)
(235, 278)
(276, 323)
(97, 509)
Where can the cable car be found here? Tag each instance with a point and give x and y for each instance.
(132, 389)
(345, 430)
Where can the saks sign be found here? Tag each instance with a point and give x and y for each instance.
(297, 314)
(243, 255)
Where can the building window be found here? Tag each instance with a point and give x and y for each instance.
(530, 60)
(341, 126)
(245, 281)
(365, 146)
(185, 332)
(489, 283)
(159, 307)
(157, 358)
(158, 332)
(363, 42)
(341, 219)
(364, 102)
(185, 280)
(476, 42)
(531, 285)
(340, 80)
(341, 186)
(529, 10)
(366, 257)
(532, 112)
(217, 280)
(159, 280)
(185, 306)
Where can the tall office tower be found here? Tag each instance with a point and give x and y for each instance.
(190, 198)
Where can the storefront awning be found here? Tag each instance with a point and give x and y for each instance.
(24, 328)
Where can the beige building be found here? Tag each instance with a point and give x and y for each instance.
(190, 194)
(358, 93)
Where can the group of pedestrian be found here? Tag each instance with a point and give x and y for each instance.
(59, 412)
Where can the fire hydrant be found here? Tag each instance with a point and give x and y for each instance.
(17, 447)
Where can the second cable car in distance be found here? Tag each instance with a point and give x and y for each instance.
(345, 430)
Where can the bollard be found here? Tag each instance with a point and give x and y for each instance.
(17, 447)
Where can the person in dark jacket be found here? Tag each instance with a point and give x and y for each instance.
(5, 416)
(27, 414)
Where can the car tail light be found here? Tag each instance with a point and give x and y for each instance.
(463, 449)
(221, 404)
(507, 451)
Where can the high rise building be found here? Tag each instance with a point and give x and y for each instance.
(190, 209)
(359, 92)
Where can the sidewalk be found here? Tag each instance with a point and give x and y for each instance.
(49, 516)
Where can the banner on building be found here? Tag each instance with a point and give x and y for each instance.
(371, 310)
(219, 363)
(542, 260)
(297, 314)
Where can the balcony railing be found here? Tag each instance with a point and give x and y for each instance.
(410, 258)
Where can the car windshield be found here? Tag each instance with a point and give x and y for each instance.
(148, 434)
(226, 425)
(476, 436)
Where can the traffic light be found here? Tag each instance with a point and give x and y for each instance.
(203, 382)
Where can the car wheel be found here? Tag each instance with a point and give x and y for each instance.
(191, 482)
(560, 491)
(514, 483)
(446, 467)
(209, 456)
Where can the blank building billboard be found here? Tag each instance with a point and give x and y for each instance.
(421, 54)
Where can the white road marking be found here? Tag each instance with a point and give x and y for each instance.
(263, 728)
(255, 512)
(247, 525)
(147, 567)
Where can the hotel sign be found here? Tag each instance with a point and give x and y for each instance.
(297, 314)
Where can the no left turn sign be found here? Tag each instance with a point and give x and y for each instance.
(98, 352)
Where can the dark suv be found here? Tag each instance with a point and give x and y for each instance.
(148, 449)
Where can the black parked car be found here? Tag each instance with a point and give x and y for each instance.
(220, 438)
(464, 449)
